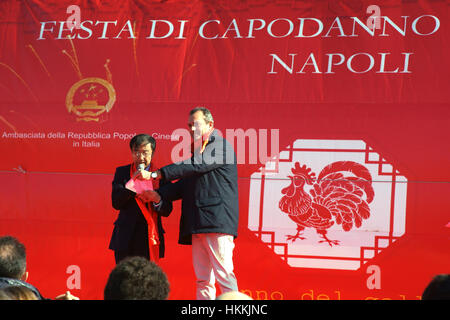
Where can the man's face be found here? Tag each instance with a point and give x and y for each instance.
(197, 125)
(142, 154)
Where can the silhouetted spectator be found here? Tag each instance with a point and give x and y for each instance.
(136, 278)
(13, 265)
(438, 288)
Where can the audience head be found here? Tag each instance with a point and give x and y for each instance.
(136, 278)
(4, 295)
(438, 288)
(233, 295)
(19, 293)
(12, 258)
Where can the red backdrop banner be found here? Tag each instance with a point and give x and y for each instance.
(348, 99)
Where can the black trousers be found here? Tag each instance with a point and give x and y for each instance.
(138, 245)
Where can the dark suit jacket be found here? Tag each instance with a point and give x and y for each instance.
(130, 217)
(208, 188)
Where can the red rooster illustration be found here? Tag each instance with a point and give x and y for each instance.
(334, 197)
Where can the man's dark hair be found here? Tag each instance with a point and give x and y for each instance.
(136, 278)
(142, 139)
(207, 116)
(13, 261)
(438, 288)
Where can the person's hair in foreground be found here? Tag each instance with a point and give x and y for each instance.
(233, 295)
(438, 288)
(13, 262)
(19, 293)
(136, 278)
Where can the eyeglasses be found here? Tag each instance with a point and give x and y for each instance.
(145, 153)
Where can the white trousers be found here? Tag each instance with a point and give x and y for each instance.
(212, 257)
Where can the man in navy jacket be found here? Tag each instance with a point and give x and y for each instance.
(208, 188)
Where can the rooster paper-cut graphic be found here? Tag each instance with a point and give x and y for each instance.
(341, 194)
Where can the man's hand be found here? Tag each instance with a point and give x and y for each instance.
(67, 296)
(149, 196)
(158, 175)
(142, 175)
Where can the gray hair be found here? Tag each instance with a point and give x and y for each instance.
(207, 116)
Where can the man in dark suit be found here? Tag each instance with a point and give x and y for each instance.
(208, 188)
(130, 236)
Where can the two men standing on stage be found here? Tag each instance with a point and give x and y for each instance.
(207, 186)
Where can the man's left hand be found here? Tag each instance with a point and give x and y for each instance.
(150, 196)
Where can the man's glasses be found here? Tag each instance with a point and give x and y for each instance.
(145, 153)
